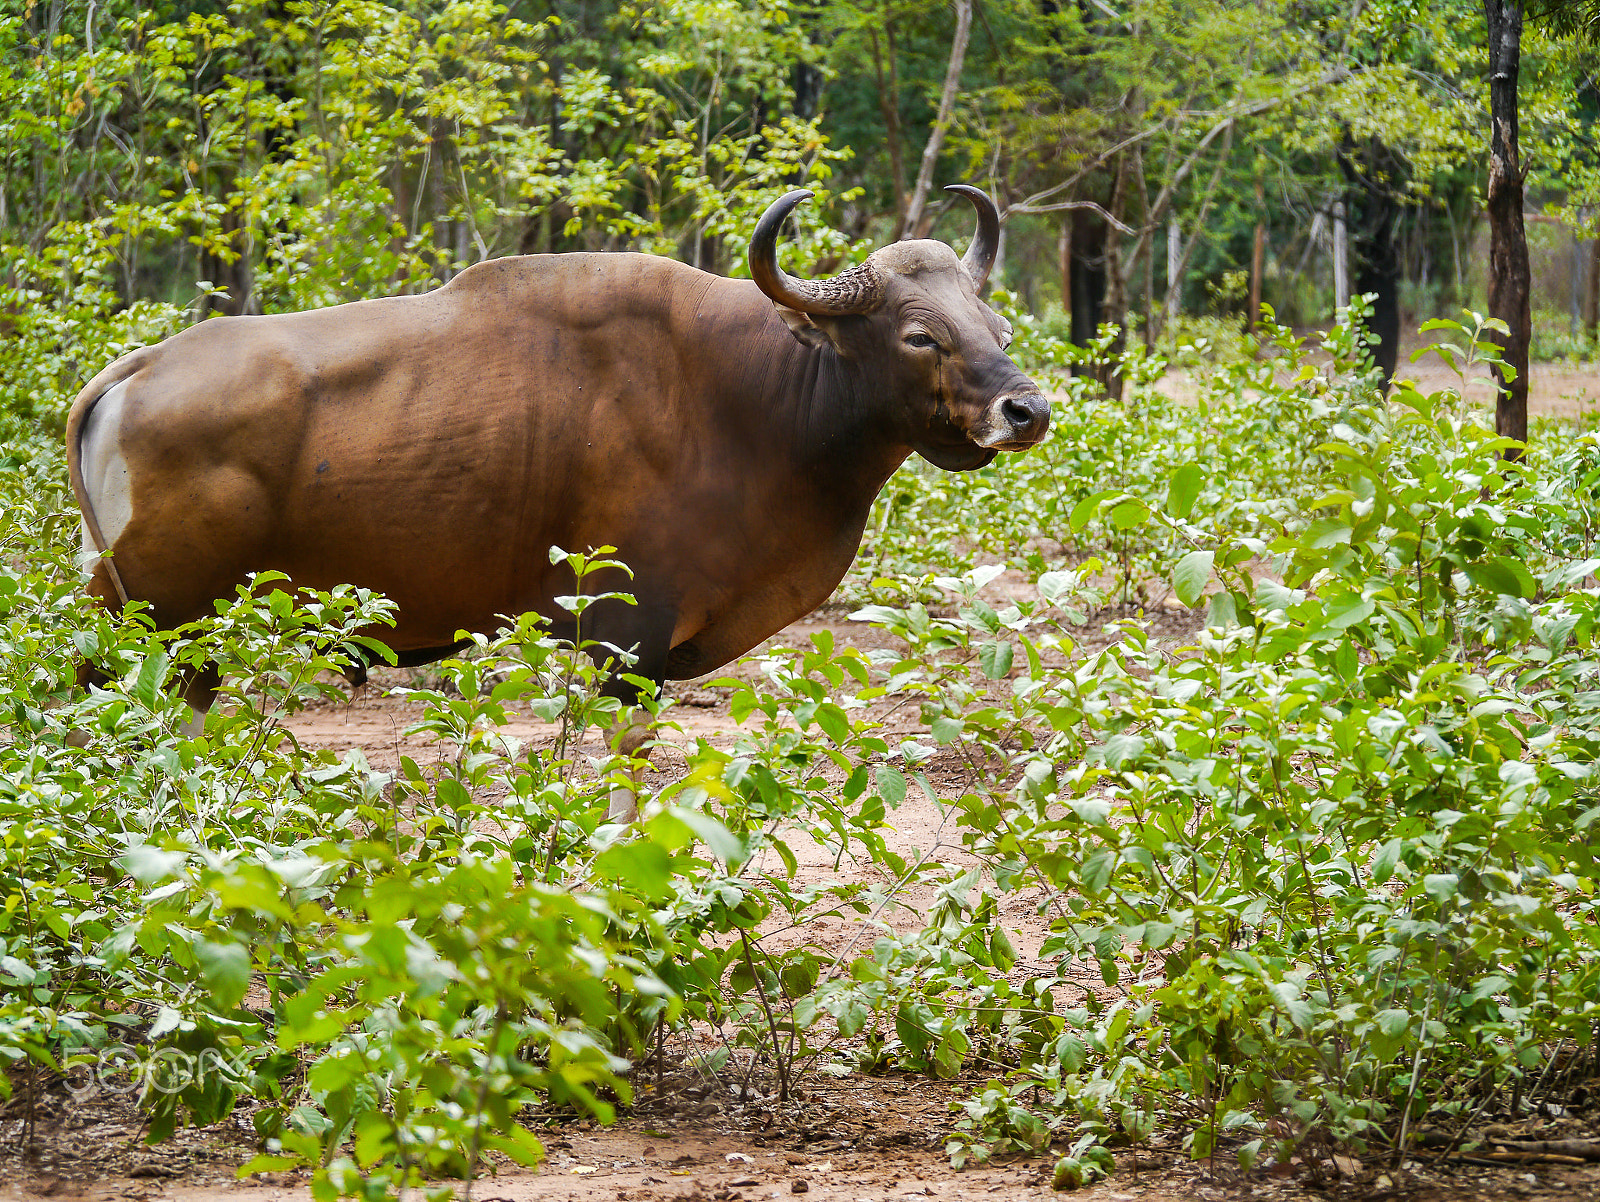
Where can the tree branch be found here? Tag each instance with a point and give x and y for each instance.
(947, 100)
(1224, 121)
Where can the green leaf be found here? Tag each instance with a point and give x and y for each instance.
(1056, 587)
(995, 658)
(1502, 575)
(148, 865)
(1129, 514)
(891, 784)
(833, 721)
(1383, 863)
(225, 968)
(1182, 491)
(1222, 610)
(723, 843)
(1001, 951)
(1085, 509)
(152, 675)
(912, 1030)
(643, 865)
(1190, 576)
(1120, 749)
(264, 1163)
(1393, 1023)
(1348, 610)
(1326, 532)
(1441, 886)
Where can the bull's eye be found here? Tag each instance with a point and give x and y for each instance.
(919, 339)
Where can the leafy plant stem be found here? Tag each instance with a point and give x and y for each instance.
(780, 1060)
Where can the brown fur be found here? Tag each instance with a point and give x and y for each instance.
(435, 447)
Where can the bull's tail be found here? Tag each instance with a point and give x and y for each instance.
(82, 404)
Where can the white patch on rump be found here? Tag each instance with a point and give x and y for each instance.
(105, 472)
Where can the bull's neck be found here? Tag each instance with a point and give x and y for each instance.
(824, 418)
(835, 412)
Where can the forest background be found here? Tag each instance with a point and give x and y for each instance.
(1322, 881)
(165, 161)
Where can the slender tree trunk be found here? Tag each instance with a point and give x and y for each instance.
(1575, 265)
(889, 105)
(1086, 276)
(1509, 274)
(941, 123)
(1375, 177)
(1064, 261)
(1174, 267)
(228, 272)
(1116, 302)
(1460, 284)
(1591, 291)
(1258, 261)
(1341, 258)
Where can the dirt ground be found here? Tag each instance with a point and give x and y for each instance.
(858, 1138)
(1554, 389)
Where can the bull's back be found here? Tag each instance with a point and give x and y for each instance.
(430, 447)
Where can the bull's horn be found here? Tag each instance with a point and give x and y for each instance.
(986, 242)
(859, 290)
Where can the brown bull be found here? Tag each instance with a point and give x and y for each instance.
(434, 447)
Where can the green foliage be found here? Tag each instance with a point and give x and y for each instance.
(1304, 880)
(161, 164)
(1321, 864)
(1308, 881)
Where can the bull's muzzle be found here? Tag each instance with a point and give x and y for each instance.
(1017, 420)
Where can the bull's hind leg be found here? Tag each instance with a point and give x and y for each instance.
(108, 487)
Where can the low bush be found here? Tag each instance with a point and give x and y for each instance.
(1314, 880)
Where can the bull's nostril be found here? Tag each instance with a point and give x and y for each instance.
(1025, 411)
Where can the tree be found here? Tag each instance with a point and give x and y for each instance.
(1509, 275)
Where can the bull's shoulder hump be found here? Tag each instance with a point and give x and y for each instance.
(578, 279)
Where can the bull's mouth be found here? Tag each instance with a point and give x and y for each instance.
(1012, 444)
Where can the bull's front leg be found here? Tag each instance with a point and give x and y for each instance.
(645, 630)
(631, 732)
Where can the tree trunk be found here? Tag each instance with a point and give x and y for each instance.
(1064, 262)
(1509, 274)
(1341, 258)
(1375, 176)
(1086, 276)
(889, 105)
(1575, 265)
(1258, 261)
(1174, 268)
(1591, 291)
(229, 273)
(997, 272)
(941, 123)
(1116, 301)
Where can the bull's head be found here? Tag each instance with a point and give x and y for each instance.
(911, 321)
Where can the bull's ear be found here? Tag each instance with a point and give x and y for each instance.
(805, 330)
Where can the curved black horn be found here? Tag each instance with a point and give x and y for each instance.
(986, 241)
(858, 290)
